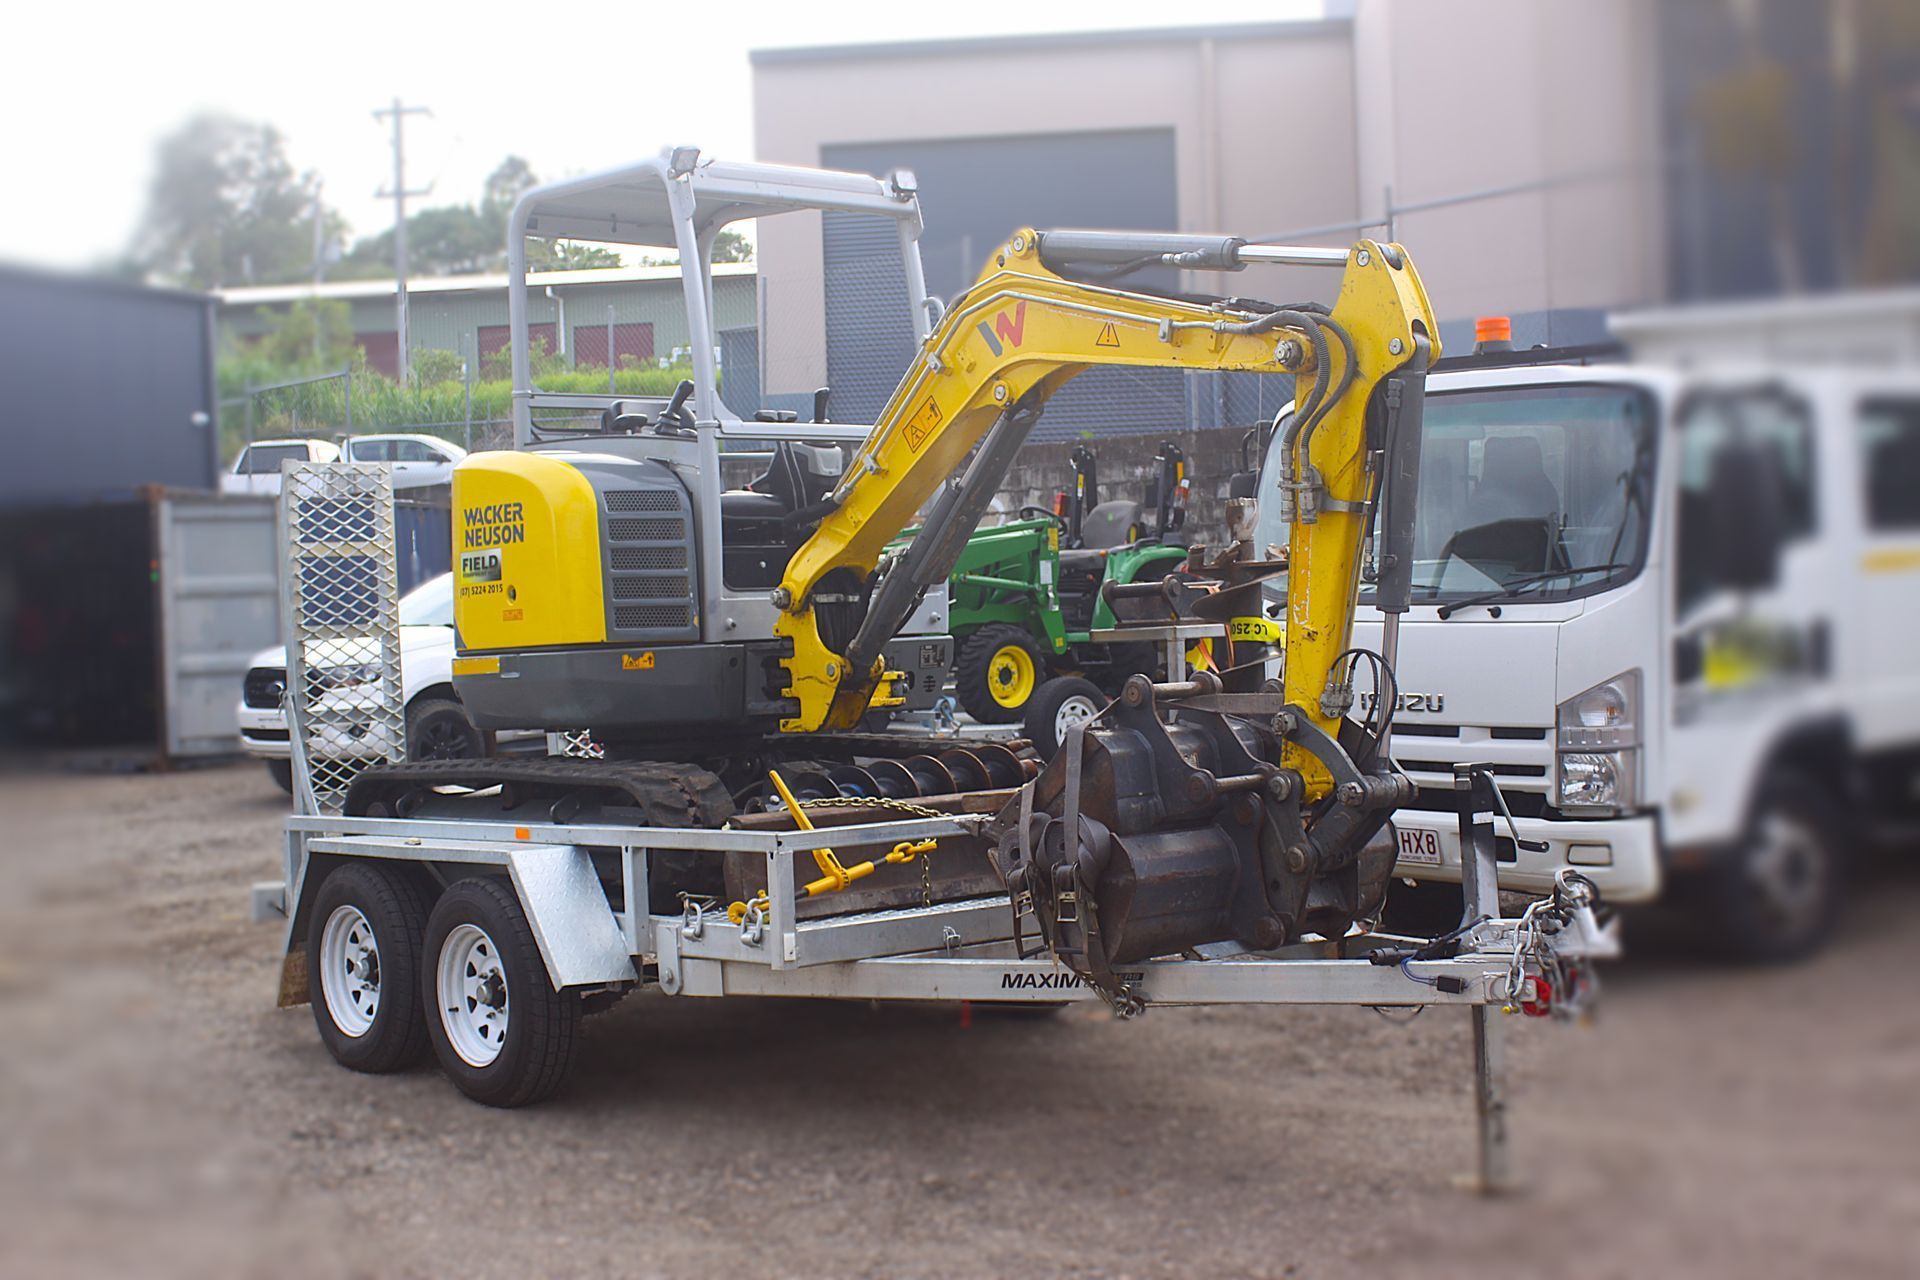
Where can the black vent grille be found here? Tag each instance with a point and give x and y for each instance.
(639, 559)
(647, 529)
(649, 588)
(649, 572)
(650, 500)
(652, 617)
(264, 687)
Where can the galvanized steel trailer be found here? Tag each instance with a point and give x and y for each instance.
(471, 932)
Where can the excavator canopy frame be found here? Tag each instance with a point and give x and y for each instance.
(680, 201)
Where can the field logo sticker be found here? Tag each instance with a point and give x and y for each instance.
(1008, 329)
(479, 566)
(922, 424)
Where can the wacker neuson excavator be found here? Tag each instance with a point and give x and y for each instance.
(723, 643)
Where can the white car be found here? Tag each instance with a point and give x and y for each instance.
(418, 460)
(257, 469)
(437, 725)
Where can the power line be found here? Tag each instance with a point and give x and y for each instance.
(398, 113)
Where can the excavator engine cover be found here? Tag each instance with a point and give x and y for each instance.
(1170, 825)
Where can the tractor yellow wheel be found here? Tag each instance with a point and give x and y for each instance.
(996, 671)
(1011, 676)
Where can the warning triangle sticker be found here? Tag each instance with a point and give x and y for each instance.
(1108, 337)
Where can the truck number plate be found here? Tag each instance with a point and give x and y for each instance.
(1420, 847)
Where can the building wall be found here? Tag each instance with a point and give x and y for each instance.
(1475, 94)
(103, 384)
(1281, 128)
(1218, 92)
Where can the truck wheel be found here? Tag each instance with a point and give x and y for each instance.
(438, 729)
(281, 771)
(502, 1034)
(1777, 897)
(1061, 703)
(999, 667)
(363, 955)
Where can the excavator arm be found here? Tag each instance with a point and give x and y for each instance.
(980, 381)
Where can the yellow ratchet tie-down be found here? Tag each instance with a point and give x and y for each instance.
(833, 875)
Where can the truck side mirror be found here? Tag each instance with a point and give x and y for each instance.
(1746, 513)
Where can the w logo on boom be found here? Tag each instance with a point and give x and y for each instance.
(1007, 329)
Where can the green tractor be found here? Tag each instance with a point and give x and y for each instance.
(1026, 595)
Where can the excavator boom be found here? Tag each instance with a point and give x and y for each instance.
(982, 377)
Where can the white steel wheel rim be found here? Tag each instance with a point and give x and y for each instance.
(1077, 709)
(350, 971)
(472, 986)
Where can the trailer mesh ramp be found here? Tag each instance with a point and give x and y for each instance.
(345, 703)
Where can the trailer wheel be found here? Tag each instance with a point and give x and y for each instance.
(502, 1034)
(1061, 703)
(1777, 896)
(997, 671)
(363, 953)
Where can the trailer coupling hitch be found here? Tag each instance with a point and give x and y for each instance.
(1151, 834)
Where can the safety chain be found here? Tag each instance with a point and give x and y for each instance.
(873, 802)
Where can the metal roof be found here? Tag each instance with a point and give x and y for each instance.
(269, 294)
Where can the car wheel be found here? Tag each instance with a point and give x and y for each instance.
(1056, 707)
(281, 771)
(363, 952)
(502, 1034)
(438, 729)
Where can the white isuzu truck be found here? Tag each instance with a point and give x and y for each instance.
(1676, 614)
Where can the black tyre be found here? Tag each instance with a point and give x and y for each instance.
(998, 671)
(1776, 897)
(501, 1032)
(438, 729)
(1057, 706)
(363, 962)
(281, 771)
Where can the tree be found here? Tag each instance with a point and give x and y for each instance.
(731, 246)
(227, 207)
(465, 239)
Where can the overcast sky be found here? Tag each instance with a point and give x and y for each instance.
(570, 87)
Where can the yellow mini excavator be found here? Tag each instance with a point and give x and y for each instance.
(711, 595)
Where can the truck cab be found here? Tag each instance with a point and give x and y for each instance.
(1672, 611)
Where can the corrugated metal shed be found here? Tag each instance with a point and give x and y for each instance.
(109, 388)
(448, 314)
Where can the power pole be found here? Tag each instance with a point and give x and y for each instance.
(399, 192)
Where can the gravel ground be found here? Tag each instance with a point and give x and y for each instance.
(163, 1118)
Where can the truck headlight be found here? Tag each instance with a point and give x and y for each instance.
(1599, 739)
(1597, 779)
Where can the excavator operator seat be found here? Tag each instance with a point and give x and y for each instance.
(755, 535)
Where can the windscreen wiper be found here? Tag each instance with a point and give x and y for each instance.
(1522, 583)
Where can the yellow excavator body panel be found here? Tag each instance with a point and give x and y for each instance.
(526, 544)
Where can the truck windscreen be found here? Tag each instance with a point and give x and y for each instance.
(1538, 491)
